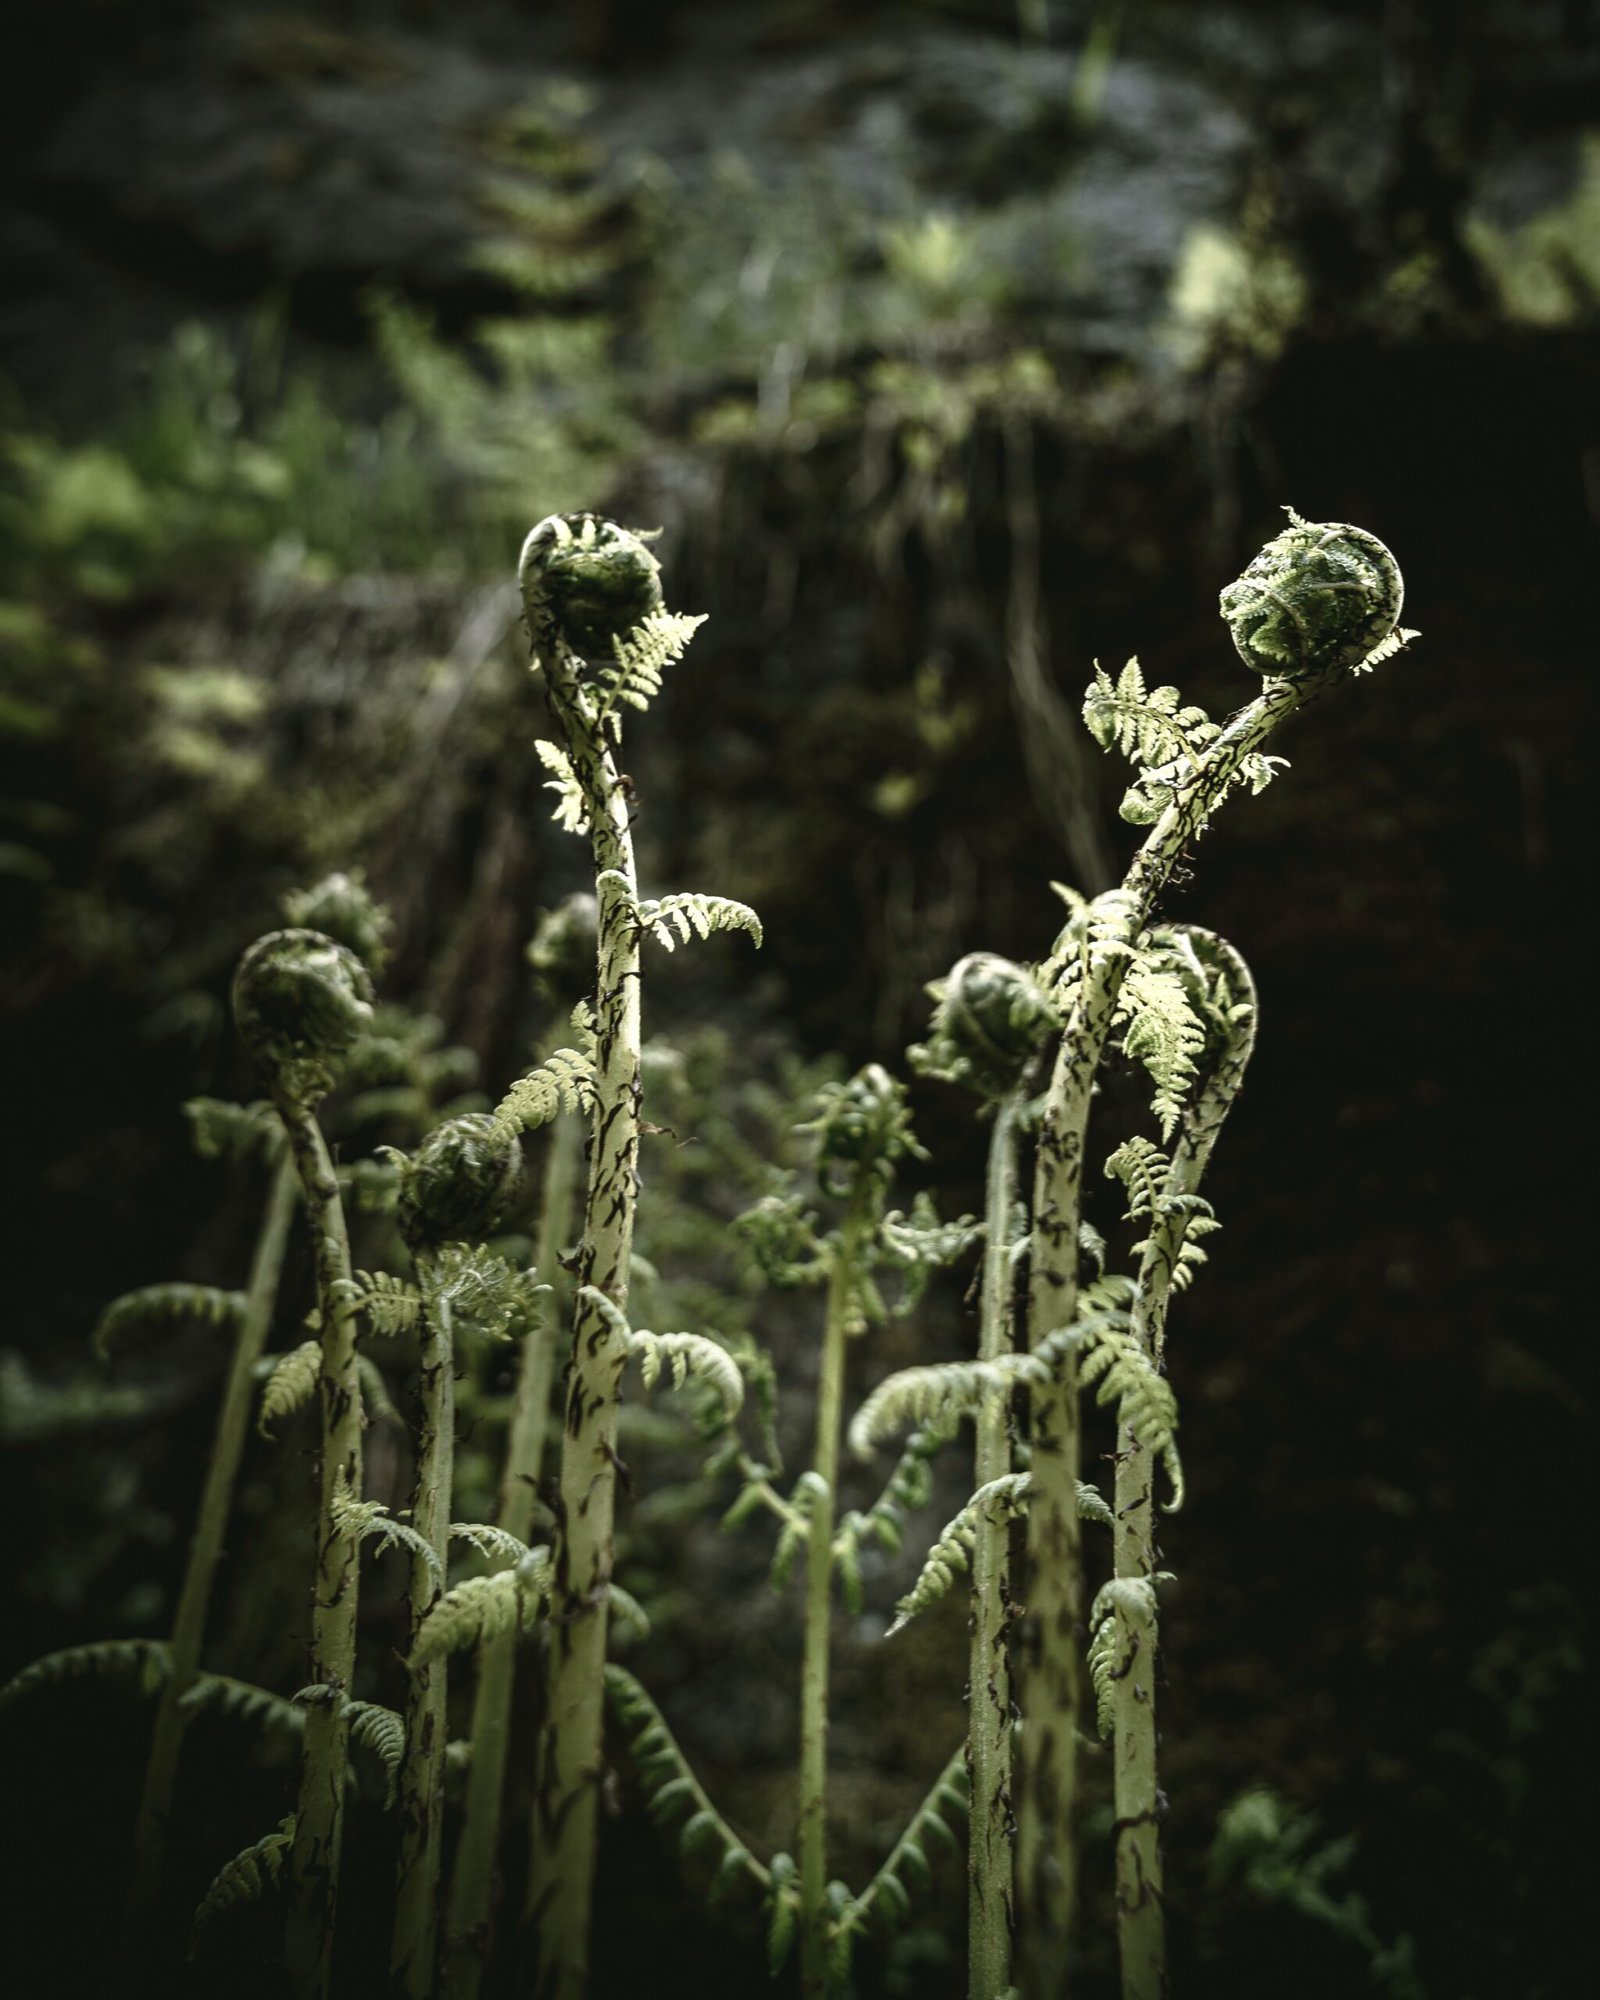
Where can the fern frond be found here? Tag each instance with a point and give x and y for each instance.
(224, 1131)
(373, 1184)
(242, 1701)
(936, 1394)
(160, 1305)
(1400, 637)
(1161, 1027)
(564, 1081)
(291, 1384)
(370, 1520)
(485, 1293)
(1134, 1597)
(673, 920)
(1149, 726)
(377, 1406)
(685, 1353)
(147, 1660)
(1142, 1168)
(1002, 1499)
(391, 1305)
(783, 1911)
(641, 659)
(920, 1244)
(496, 1544)
(484, 1607)
(886, 1900)
(383, 1733)
(1145, 1402)
(244, 1879)
(572, 808)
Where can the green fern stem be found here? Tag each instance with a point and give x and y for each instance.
(1141, 1914)
(472, 1881)
(314, 1859)
(205, 1551)
(989, 1860)
(420, 1794)
(1047, 1761)
(846, 1254)
(567, 1778)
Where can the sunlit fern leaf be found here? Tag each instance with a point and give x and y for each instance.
(377, 1406)
(885, 1903)
(1002, 1499)
(391, 1306)
(148, 1661)
(1142, 1167)
(1130, 1600)
(244, 1879)
(370, 1520)
(242, 1701)
(159, 1305)
(291, 1384)
(1161, 1028)
(224, 1131)
(673, 920)
(1400, 637)
(571, 809)
(564, 1081)
(485, 1607)
(383, 1733)
(1149, 726)
(642, 656)
(497, 1544)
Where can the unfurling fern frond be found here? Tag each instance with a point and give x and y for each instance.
(572, 808)
(486, 1295)
(919, 1244)
(383, 1733)
(149, 1661)
(497, 1544)
(564, 1081)
(224, 1131)
(244, 1879)
(243, 1701)
(291, 1384)
(1093, 935)
(1142, 1168)
(1149, 726)
(485, 1607)
(886, 1901)
(1134, 1597)
(935, 1395)
(370, 1520)
(160, 1305)
(1145, 1402)
(685, 1353)
(673, 920)
(391, 1305)
(642, 656)
(1161, 1027)
(1002, 1499)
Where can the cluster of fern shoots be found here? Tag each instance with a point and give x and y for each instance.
(1052, 1660)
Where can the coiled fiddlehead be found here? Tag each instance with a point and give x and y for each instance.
(1319, 597)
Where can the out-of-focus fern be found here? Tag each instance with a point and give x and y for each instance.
(1134, 1597)
(885, 1903)
(383, 1733)
(224, 1131)
(244, 1879)
(242, 1701)
(159, 1305)
(149, 1661)
(290, 1385)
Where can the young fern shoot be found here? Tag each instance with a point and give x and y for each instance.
(454, 1190)
(592, 600)
(300, 999)
(1318, 604)
(1124, 1619)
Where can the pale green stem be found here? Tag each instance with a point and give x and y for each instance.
(1141, 1914)
(472, 1881)
(567, 1777)
(420, 1793)
(989, 1725)
(812, 1828)
(1047, 1783)
(319, 1819)
(205, 1551)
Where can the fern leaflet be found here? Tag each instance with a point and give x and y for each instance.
(364, 1520)
(159, 1305)
(886, 1900)
(147, 1660)
(674, 920)
(242, 1701)
(642, 656)
(291, 1384)
(485, 1607)
(1133, 1598)
(244, 1879)
(391, 1305)
(564, 1081)
(383, 1733)
(572, 808)
(685, 1353)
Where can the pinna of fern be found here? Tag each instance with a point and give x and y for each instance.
(1319, 605)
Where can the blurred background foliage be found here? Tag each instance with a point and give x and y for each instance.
(951, 345)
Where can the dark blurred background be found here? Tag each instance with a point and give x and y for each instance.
(951, 346)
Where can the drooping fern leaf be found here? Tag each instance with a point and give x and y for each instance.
(1115, 1358)
(485, 1607)
(674, 920)
(674, 1795)
(244, 1879)
(243, 1701)
(149, 1661)
(377, 1406)
(291, 1384)
(908, 1488)
(383, 1733)
(685, 1353)
(571, 809)
(497, 1544)
(370, 1520)
(159, 1305)
(935, 1394)
(1134, 1598)
(885, 1903)
(1002, 1499)
(564, 1081)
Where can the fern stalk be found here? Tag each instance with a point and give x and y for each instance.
(1141, 1916)
(420, 1794)
(989, 1861)
(812, 1826)
(472, 1881)
(319, 1820)
(569, 1751)
(205, 1551)
(1047, 1760)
